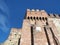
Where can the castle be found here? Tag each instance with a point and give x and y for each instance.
(39, 28)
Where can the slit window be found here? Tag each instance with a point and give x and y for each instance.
(48, 40)
(32, 36)
(19, 41)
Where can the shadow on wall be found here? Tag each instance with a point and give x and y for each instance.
(4, 23)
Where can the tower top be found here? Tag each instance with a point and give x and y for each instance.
(35, 13)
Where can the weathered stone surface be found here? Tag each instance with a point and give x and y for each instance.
(39, 37)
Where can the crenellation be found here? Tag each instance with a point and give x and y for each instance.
(43, 11)
(37, 10)
(28, 10)
(32, 10)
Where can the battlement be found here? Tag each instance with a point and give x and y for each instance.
(36, 13)
(53, 15)
(39, 14)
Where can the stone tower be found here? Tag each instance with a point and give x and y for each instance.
(39, 28)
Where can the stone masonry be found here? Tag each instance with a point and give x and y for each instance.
(39, 28)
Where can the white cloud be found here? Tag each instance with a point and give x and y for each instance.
(4, 12)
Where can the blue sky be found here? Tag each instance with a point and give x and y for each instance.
(16, 9)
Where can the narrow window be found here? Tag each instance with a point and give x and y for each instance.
(32, 37)
(47, 36)
(19, 41)
(54, 37)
